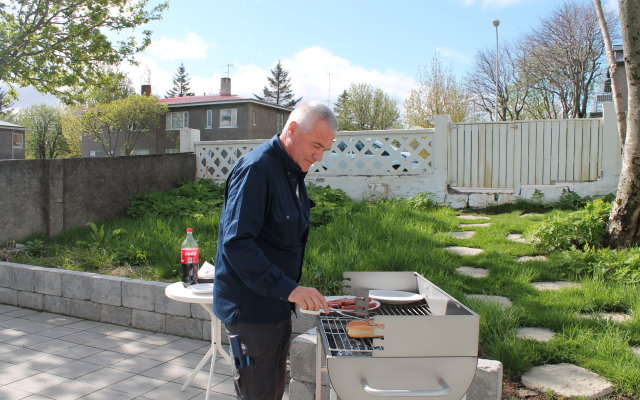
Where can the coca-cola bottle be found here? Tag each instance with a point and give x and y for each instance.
(189, 258)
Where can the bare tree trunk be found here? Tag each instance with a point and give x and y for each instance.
(621, 114)
(624, 218)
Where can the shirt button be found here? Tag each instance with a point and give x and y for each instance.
(287, 217)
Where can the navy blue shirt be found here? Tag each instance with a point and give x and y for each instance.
(263, 233)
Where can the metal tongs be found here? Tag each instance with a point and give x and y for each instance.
(361, 311)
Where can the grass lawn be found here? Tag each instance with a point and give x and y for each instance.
(404, 235)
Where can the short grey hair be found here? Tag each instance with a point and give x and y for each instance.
(308, 113)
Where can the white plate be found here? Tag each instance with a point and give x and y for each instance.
(201, 288)
(395, 296)
(329, 298)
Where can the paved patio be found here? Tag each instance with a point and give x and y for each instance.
(52, 356)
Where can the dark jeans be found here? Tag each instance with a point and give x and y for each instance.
(267, 346)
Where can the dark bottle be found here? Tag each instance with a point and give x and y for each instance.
(190, 259)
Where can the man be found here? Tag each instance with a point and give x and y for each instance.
(262, 237)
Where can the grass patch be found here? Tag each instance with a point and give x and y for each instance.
(410, 235)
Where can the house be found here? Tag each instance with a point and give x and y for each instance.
(606, 96)
(219, 117)
(11, 141)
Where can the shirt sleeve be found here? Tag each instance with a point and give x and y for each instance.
(242, 219)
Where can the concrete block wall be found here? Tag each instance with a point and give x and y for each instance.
(122, 301)
(486, 385)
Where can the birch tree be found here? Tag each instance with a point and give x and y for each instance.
(624, 221)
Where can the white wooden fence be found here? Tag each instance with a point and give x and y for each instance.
(514, 158)
(512, 154)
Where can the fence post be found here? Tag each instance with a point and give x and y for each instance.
(188, 137)
(611, 146)
(440, 148)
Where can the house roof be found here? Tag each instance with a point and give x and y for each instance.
(5, 124)
(217, 99)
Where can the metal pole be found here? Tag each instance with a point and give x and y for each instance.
(496, 22)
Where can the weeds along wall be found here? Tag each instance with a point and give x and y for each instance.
(48, 196)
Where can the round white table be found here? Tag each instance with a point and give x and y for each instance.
(177, 292)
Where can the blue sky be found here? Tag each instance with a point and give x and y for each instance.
(325, 45)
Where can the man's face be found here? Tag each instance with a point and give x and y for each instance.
(308, 148)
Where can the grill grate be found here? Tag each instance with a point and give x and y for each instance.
(333, 329)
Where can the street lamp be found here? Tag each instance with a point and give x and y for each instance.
(496, 22)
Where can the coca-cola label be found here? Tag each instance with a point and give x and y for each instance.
(189, 256)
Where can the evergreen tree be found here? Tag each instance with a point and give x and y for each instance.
(181, 82)
(280, 92)
(6, 102)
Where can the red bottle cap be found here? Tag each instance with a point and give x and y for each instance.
(189, 230)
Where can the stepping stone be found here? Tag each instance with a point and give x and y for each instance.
(499, 300)
(516, 237)
(636, 350)
(567, 380)
(472, 272)
(463, 235)
(532, 258)
(531, 215)
(475, 225)
(473, 217)
(539, 334)
(464, 251)
(555, 285)
(524, 393)
(611, 317)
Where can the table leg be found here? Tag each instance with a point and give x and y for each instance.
(198, 368)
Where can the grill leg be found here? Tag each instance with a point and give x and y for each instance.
(318, 366)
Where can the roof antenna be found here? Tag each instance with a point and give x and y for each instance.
(228, 68)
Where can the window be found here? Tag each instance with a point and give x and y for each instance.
(18, 139)
(209, 119)
(140, 152)
(279, 123)
(229, 118)
(97, 153)
(255, 122)
(177, 120)
(171, 151)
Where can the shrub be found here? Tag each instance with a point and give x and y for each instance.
(621, 265)
(576, 229)
(329, 204)
(189, 200)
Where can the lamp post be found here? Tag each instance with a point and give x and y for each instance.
(496, 22)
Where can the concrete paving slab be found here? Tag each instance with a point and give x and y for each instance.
(531, 258)
(539, 334)
(108, 394)
(463, 234)
(567, 380)
(612, 317)
(531, 215)
(484, 225)
(472, 272)
(499, 300)
(556, 285)
(636, 350)
(464, 251)
(171, 391)
(70, 390)
(517, 237)
(468, 217)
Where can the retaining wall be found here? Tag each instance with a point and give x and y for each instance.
(49, 196)
(122, 301)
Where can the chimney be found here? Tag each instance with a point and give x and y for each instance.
(225, 86)
(145, 90)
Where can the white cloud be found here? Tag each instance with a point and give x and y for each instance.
(494, 4)
(192, 47)
(308, 70)
(453, 56)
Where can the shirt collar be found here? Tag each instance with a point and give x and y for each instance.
(286, 159)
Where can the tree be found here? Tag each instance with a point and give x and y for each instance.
(55, 44)
(513, 85)
(44, 137)
(438, 93)
(72, 132)
(122, 122)
(621, 114)
(564, 56)
(6, 102)
(364, 107)
(181, 82)
(111, 85)
(624, 223)
(280, 92)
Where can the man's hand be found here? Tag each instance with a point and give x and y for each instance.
(308, 298)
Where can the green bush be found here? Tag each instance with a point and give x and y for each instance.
(330, 203)
(576, 229)
(192, 199)
(605, 264)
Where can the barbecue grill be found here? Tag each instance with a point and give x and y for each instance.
(428, 349)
